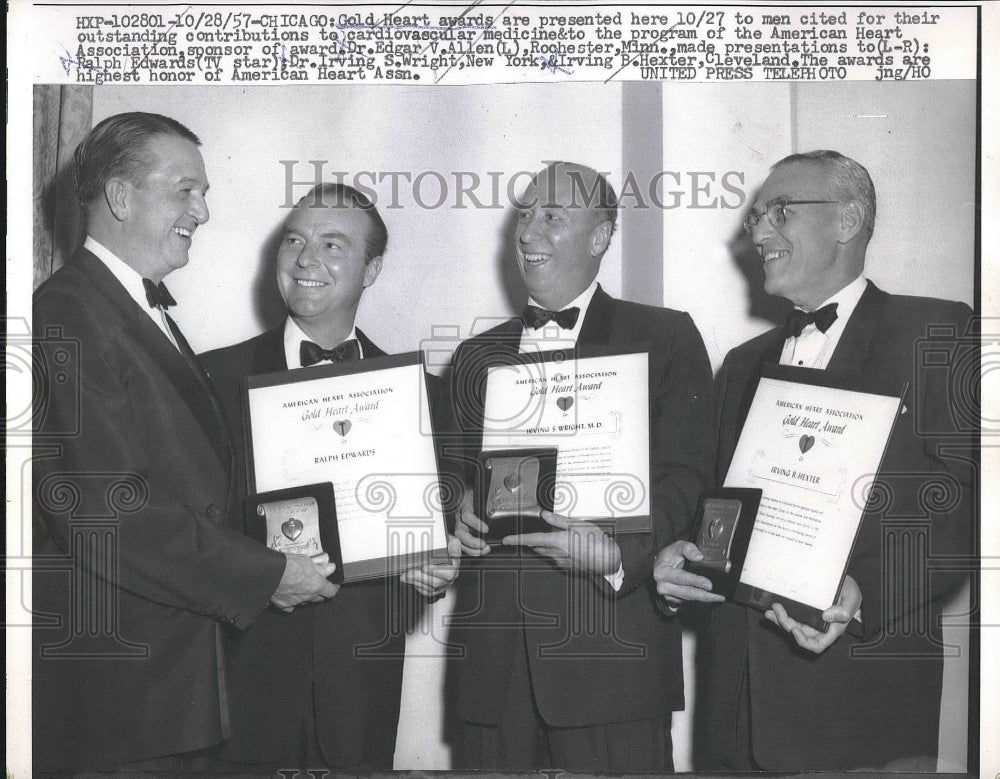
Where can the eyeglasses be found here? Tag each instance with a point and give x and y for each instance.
(774, 210)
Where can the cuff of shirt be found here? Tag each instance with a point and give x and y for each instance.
(616, 579)
(856, 628)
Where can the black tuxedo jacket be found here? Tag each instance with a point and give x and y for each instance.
(344, 656)
(871, 699)
(596, 656)
(134, 567)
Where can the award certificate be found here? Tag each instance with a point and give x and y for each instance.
(814, 449)
(594, 408)
(363, 426)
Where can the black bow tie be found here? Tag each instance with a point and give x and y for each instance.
(821, 317)
(310, 353)
(537, 317)
(157, 295)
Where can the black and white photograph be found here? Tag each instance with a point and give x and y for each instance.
(354, 248)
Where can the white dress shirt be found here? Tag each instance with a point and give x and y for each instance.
(129, 278)
(813, 349)
(552, 336)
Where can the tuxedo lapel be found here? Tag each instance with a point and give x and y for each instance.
(368, 349)
(597, 324)
(269, 352)
(849, 358)
(151, 340)
(851, 354)
(774, 342)
(506, 337)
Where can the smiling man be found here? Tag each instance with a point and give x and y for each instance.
(782, 696)
(320, 688)
(563, 661)
(329, 253)
(135, 570)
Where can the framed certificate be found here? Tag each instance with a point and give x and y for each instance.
(363, 427)
(813, 445)
(592, 406)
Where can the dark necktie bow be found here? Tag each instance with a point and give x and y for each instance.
(536, 317)
(821, 317)
(310, 353)
(157, 295)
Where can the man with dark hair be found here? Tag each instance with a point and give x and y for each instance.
(564, 662)
(135, 571)
(116, 147)
(782, 696)
(320, 688)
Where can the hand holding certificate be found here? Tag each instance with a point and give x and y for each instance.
(813, 447)
(723, 525)
(298, 520)
(433, 578)
(675, 583)
(574, 544)
(364, 428)
(298, 582)
(470, 530)
(515, 487)
(594, 411)
(837, 617)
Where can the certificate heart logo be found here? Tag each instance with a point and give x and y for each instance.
(806, 443)
(292, 528)
(342, 426)
(564, 403)
(512, 481)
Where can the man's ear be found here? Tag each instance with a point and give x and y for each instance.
(600, 237)
(852, 221)
(116, 195)
(372, 269)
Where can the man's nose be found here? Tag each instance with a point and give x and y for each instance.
(306, 258)
(199, 208)
(528, 229)
(762, 230)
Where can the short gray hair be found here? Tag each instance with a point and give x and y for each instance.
(850, 177)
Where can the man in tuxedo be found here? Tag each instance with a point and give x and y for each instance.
(564, 661)
(320, 688)
(135, 570)
(866, 693)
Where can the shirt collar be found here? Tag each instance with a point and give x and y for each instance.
(581, 301)
(847, 300)
(127, 276)
(294, 336)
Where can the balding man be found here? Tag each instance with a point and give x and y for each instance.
(564, 662)
(866, 693)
